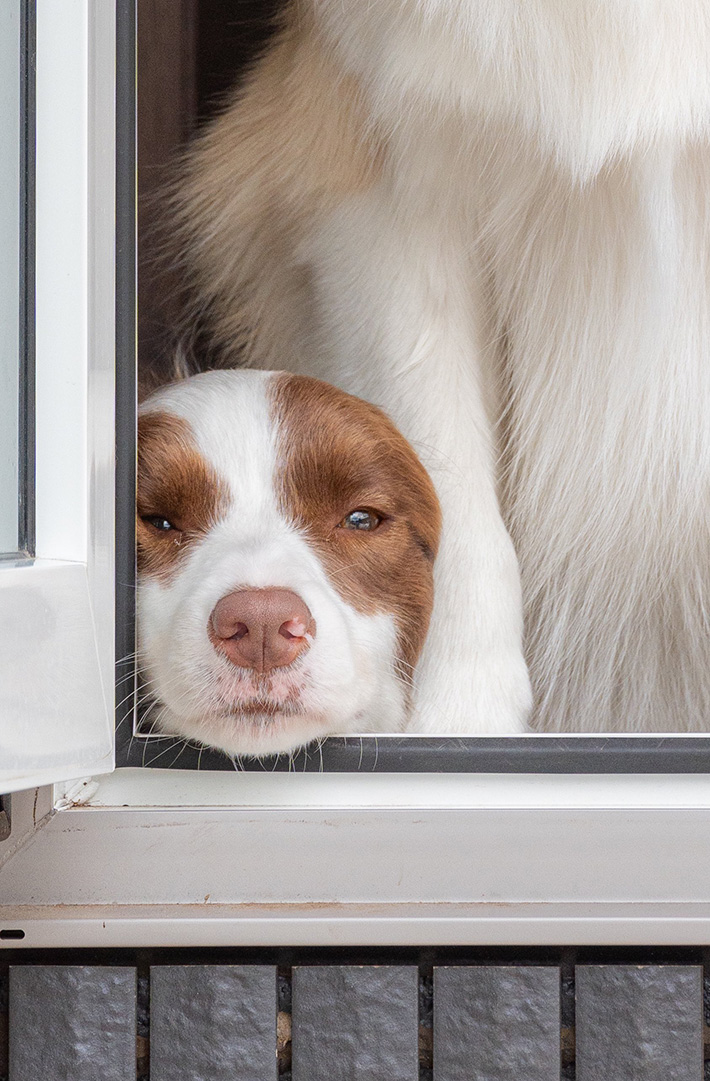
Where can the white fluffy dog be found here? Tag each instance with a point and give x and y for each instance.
(492, 218)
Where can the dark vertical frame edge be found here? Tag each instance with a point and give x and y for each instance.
(26, 419)
(126, 376)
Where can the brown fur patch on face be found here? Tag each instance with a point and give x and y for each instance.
(174, 483)
(338, 454)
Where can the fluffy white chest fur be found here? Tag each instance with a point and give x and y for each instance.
(493, 219)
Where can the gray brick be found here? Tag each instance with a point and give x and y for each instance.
(72, 1023)
(496, 1023)
(639, 1023)
(213, 1023)
(355, 1024)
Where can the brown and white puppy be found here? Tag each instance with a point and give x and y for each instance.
(286, 540)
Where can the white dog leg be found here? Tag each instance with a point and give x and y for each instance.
(401, 327)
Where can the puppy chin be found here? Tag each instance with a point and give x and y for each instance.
(259, 730)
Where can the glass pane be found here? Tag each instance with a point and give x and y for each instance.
(10, 90)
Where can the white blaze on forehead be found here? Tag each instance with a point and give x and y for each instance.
(229, 415)
(254, 544)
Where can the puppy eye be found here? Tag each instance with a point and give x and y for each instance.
(363, 519)
(159, 523)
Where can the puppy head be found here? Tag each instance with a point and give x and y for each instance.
(286, 538)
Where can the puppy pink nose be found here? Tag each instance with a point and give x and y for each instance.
(261, 628)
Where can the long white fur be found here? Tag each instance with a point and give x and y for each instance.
(400, 324)
(524, 288)
(346, 681)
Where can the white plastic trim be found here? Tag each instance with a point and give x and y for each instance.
(326, 859)
(357, 925)
(56, 613)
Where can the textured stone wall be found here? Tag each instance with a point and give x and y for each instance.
(353, 1015)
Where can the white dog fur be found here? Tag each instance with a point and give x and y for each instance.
(492, 218)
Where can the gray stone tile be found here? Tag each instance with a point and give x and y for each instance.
(497, 1023)
(354, 1023)
(72, 1023)
(639, 1023)
(213, 1023)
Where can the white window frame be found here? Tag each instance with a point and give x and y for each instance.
(63, 630)
(169, 857)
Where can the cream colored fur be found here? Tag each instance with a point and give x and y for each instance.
(492, 218)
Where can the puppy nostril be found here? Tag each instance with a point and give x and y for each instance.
(293, 628)
(240, 631)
